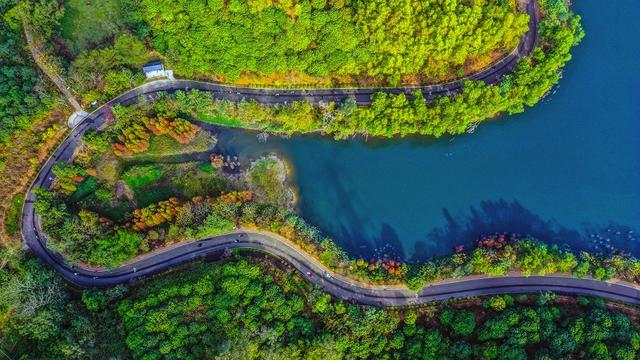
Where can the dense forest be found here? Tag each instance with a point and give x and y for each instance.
(254, 309)
(22, 95)
(385, 39)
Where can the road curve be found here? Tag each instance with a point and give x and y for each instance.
(337, 285)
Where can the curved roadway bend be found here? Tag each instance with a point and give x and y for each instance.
(339, 286)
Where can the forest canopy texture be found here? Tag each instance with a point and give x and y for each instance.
(386, 39)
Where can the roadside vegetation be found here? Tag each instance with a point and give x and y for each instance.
(256, 308)
(315, 43)
(113, 202)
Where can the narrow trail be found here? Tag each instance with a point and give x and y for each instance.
(40, 59)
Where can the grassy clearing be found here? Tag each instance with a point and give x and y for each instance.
(156, 182)
(189, 180)
(226, 121)
(139, 176)
(89, 23)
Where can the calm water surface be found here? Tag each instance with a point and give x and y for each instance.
(566, 171)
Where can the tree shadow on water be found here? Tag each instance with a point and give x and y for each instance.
(492, 216)
(356, 241)
(355, 233)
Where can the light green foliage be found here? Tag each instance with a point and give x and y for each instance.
(498, 302)
(139, 176)
(487, 262)
(96, 144)
(386, 38)
(68, 176)
(391, 115)
(537, 258)
(213, 225)
(194, 103)
(115, 249)
(416, 37)
(42, 16)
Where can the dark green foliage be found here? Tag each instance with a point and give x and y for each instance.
(86, 187)
(461, 322)
(83, 237)
(153, 195)
(12, 220)
(42, 318)
(253, 310)
(192, 315)
(21, 94)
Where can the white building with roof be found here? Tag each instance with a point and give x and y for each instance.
(155, 69)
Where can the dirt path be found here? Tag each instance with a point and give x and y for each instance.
(41, 60)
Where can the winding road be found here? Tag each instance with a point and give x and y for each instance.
(337, 285)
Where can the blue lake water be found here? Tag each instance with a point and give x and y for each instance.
(566, 171)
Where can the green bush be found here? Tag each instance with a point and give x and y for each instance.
(113, 250)
(12, 219)
(214, 225)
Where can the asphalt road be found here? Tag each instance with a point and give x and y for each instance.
(339, 286)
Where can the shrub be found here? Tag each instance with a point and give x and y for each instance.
(12, 220)
(155, 214)
(115, 249)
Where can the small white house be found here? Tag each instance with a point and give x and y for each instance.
(154, 69)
